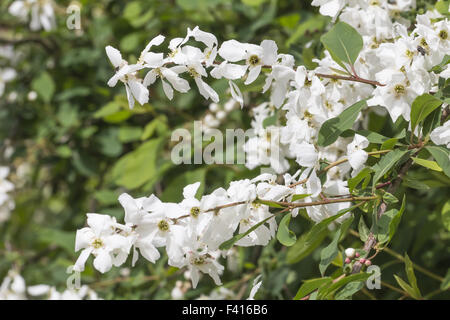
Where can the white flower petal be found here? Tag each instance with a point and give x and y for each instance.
(253, 74)
(114, 56)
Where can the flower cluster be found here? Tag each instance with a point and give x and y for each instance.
(13, 287)
(41, 13)
(6, 75)
(6, 201)
(192, 231)
(393, 69)
(398, 63)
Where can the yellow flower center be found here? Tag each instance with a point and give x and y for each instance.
(97, 243)
(399, 89)
(195, 211)
(254, 60)
(163, 225)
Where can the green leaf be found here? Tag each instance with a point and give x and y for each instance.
(64, 151)
(432, 121)
(332, 128)
(296, 197)
(328, 253)
(174, 190)
(299, 251)
(393, 225)
(106, 197)
(364, 174)
(84, 163)
(315, 22)
(44, 86)
(388, 223)
(386, 163)
(284, 235)
(308, 240)
(410, 182)
(310, 285)
(108, 141)
(343, 42)
(445, 215)
(132, 10)
(270, 121)
(130, 42)
(68, 115)
(389, 198)
(138, 166)
(443, 8)
(158, 124)
(421, 107)
(441, 66)
(446, 283)
(254, 3)
(442, 157)
(406, 287)
(409, 268)
(349, 290)
(108, 109)
(227, 245)
(127, 134)
(427, 164)
(374, 137)
(269, 203)
(363, 230)
(62, 239)
(389, 144)
(327, 292)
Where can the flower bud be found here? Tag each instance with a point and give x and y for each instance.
(347, 260)
(368, 263)
(214, 107)
(221, 114)
(362, 260)
(357, 255)
(350, 252)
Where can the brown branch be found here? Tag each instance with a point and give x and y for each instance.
(350, 78)
(287, 205)
(445, 114)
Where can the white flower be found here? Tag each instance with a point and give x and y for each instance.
(192, 61)
(399, 91)
(223, 222)
(282, 75)
(261, 236)
(42, 13)
(441, 135)
(6, 201)
(127, 74)
(329, 8)
(357, 157)
(156, 62)
(6, 75)
(209, 40)
(198, 258)
(153, 227)
(306, 154)
(220, 293)
(256, 285)
(13, 287)
(255, 56)
(103, 241)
